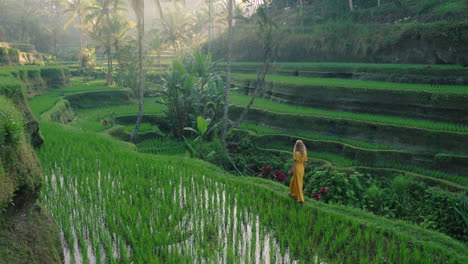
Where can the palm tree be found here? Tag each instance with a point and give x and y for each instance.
(228, 75)
(266, 27)
(161, 14)
(138, 6)
(101, 16)
(77, 8)
(118, 29)
(177, 29)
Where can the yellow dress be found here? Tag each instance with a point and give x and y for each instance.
(297, 181)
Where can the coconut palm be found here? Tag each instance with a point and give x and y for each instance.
(177, 30)
(76, 9)
(228, 75)
(138, 7)
(102, 14)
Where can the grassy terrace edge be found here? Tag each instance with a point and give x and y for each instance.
(384, 68)
(357, 84)
(398, 240)
(446, 181)
(260, 103)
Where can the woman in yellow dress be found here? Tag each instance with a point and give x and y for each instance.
(297, 182)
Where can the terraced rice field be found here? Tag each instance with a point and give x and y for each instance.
(242, 100)
(150, 210)
(170, 208)
(346, 83)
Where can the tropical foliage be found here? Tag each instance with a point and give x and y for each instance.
(190, 89)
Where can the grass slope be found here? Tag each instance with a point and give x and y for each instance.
(242, 100)
(333, 82)
(335, 233)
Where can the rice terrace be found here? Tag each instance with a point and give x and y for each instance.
(229, 131)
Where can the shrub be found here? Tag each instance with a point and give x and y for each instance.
(4, 57)
(11, 126)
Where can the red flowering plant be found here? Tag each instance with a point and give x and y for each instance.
(265, 171)
(323, 190)
(321, 194)
(280, 176)
(316, 196)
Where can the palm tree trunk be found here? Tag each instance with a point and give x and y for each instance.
(161, 14)
(80, 69)
(260, 83)
(228, 76)
(109, 66)
(209, 26)
(141, 31)
(350, 5)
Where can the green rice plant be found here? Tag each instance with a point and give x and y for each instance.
(264, 130)
(260, 103)
(132, 207)
(161, 146)
(293, 68)
(351, 65)
(358, 84)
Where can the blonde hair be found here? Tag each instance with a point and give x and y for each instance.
(300, 147)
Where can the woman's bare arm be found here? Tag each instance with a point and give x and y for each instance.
(292, 167)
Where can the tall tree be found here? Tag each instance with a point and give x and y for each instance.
(102, 13)
(77, 9)
(266, 27)
(350, 5)
(228, 76)
(138, 7)
(210, 24)
(161, 14)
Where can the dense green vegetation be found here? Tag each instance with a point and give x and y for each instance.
(329, 31)
(241, 100)
(96, 177)
(266, 130)
(311, 82)
(160, 150)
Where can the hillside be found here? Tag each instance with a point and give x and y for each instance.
(27, 231)
(407, 31)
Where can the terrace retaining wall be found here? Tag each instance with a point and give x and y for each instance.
(446, 107)
(412, 139)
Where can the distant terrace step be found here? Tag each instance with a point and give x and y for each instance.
(400, 73)
(413, 139)
(446, 103)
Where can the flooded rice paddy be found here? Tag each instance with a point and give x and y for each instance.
(173, 216)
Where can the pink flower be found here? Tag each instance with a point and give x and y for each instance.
(316, 196)
(323, 190)
(268, 168)
(277, 172)
(264, 166)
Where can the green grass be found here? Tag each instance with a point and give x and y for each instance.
(262, 130)
(260, 103)
(351, 65)
(161, 146)
(358, 84)
(111, 195)
(112, 201)
(460, 182)
(91, 119)
(42, 103)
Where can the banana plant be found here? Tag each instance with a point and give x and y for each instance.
(201, 131)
